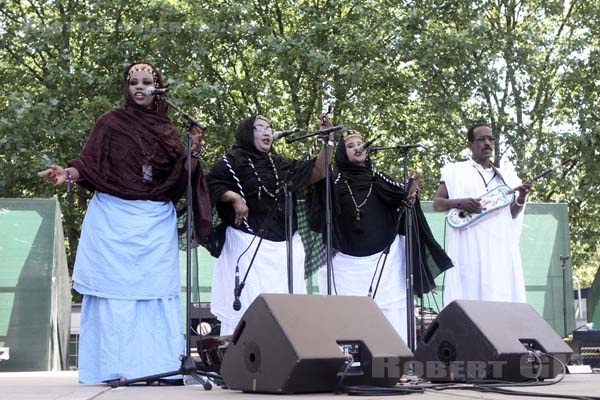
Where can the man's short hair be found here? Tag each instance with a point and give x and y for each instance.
(471, 131)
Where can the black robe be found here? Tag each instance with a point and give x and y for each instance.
(382, 217)
(266, 215)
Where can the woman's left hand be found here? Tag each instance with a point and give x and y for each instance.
(413, 187)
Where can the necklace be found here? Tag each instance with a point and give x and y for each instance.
(483, 179)
(356, 205)
(148, 158)
(262, 187)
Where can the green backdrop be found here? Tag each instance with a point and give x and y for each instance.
(35, 292)
(35, 295)
(544, 239)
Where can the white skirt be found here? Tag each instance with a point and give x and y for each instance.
(352, 276)
(267, 275)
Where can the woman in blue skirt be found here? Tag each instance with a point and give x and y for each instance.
(127, 263)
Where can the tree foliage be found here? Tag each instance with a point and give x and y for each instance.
(415, 72)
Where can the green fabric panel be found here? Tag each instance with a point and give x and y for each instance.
(202, 268)
(26, 254)
(593, 302)
(7, 301)
(17, 232)
(545, 237)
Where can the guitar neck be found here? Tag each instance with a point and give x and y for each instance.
(546, 172)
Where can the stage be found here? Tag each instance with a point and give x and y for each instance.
(64, 386)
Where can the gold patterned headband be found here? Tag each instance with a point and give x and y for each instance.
(350, 133)
(142, 67)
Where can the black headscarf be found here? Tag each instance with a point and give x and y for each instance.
(244, 161)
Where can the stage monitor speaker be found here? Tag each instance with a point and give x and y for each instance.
(288, 343)
(483, 340)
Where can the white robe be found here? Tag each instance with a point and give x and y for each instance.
(486, 257)
(352, 276)
(267, 275)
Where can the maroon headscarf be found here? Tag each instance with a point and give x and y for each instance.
(136, 153)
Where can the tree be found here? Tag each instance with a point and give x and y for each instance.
(415, 72)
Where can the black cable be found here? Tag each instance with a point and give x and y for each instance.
(363, 390)
(349, 361)
(261, 234)
(500, 387)
(264, 227)
(580, 327)
(444, 277)
(385, 251)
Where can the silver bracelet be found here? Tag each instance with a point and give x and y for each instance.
(517, 202)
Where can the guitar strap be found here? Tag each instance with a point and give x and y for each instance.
(497, 171)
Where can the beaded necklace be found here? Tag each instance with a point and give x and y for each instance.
(262, 187)
(356, 205)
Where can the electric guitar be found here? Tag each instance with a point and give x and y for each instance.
(494, 200)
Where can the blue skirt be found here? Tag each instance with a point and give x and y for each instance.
(127, 268)
(129, 338)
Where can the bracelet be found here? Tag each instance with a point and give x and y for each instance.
(68, 180)
(517, 202)
(458, 206)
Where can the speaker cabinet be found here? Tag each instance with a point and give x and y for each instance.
(484, 340)
(288, 343)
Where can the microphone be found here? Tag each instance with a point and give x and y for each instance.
(360, 149)
(154, 91)
(237, 304)
(281, 134)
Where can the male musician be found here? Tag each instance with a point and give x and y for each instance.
(487, 262)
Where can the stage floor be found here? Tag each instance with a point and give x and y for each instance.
(64, 386)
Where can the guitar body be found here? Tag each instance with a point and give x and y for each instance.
(493, 200)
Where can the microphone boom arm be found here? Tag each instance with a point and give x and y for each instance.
(401, 147)
(181, 113)
(323, 132)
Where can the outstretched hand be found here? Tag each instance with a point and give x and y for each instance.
(55, 174)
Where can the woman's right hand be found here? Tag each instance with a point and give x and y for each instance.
(241, 210)
(324, 122)
(239, 205)
(55, 174)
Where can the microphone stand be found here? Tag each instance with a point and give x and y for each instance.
(324, 135)
(410, 299)
(188, 367)
(289, 231)
(563, 261)
(408, 240)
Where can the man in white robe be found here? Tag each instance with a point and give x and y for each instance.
(487, 262)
